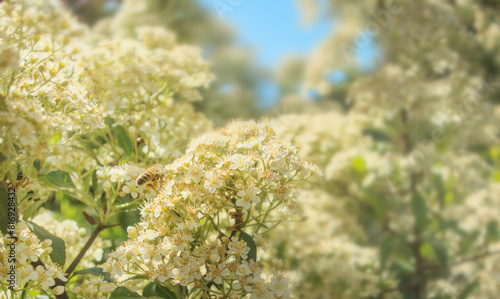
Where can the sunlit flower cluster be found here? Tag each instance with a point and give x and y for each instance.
(123, 177)
(187, 236)
(32, 262)
(72, 114)
(41, 99)
(147, 88)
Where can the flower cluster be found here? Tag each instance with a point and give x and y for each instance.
(72, 114)
(41, 98)
(32, 262)
(124, 179)
(187, 236)
(147, 88)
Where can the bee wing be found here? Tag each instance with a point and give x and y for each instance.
(158, 168)
(133, 170)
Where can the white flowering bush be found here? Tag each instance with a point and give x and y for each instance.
(115, 186)
(203, 233)
(79, 122)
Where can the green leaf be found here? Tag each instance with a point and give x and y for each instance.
(33, 207)
(123, 293)
(149, 290)
(94, 271)
(219, 287)
(164, 292)
(419, 211)
(358, 164)
(252, 254)
(494, 153)
(440, 252)
(6, 211)
(3, 106)
(2, 158)
(496, 176)
(426, 250)
(60, 178)
(137, 277)
(260, 225)
(58, 254)
(385, 251)
(124, 140)
(469, 290)
(182, 290)
(37, 164)
(82, 196)
(281, 250)
(492, 233)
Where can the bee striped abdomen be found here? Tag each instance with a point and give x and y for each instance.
(151, 177)
(144, 177)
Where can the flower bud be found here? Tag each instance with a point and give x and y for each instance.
(129, 254)
(58, 290)
(214, 258)
(132, 232)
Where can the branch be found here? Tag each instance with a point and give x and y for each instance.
(77, 260)
(476, 257)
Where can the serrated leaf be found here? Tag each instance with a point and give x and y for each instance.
(419, 209)
(123, 293)
(94, 271)
(123, 140)
(58, 254)
(252, 254)
(60, 178)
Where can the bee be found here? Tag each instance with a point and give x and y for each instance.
(151, 177)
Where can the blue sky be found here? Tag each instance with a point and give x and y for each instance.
(271, 27)
(274, 29)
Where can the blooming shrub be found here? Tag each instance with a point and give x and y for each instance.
(407, 207)
(203, 231)
(79, 122)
